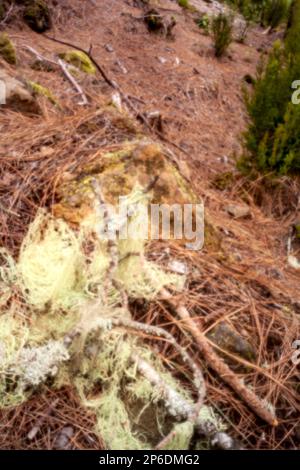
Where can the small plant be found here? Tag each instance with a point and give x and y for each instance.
(274, 13)
(203, 23)
(292, 40)
(222, 27)
(272, 141)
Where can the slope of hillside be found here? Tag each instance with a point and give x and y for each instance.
(241, 278)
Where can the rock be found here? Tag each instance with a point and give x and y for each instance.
(7, 49)
(178, 267)
(293, 262)
(227, 338)
(17, 95)
(62, 440)
(238, 211)
(109, 48)
(118, 173)
(46, 151)
(37, 15)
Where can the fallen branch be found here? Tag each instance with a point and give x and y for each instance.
(76, 85)
(219, 366)
(7, 15)
(160, 332)
(64, 67)
(180, 407)
(39, 56)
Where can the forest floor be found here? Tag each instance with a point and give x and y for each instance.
(243, 275)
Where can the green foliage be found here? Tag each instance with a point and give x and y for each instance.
(250, 9)
(272, 141)
(267, 12)
(292, 40)
(203, 23)
(274, 12)
(222, 26)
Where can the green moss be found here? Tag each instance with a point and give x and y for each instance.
(186, 5)
(183, 3)
(7, 49)
(297, 229)
(80, 60)
(40, 90)
(37, 15)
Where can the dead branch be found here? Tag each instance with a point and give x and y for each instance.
(39, 56)
(7, 15)
(178, 406)
(219, 366)
(64, 67)
(161, 333)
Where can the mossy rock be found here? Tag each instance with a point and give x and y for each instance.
(37, 15)
(39, 90)
(80, 60)
(7, 49)
(118, 173)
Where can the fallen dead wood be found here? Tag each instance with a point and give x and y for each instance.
(181, 407)
(127, 99)
(219, 366)
(64, 67)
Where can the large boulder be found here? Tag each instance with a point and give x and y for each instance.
(118, 172)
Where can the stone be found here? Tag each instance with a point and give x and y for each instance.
(17, 95)
(238, 211)
(224, 336)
